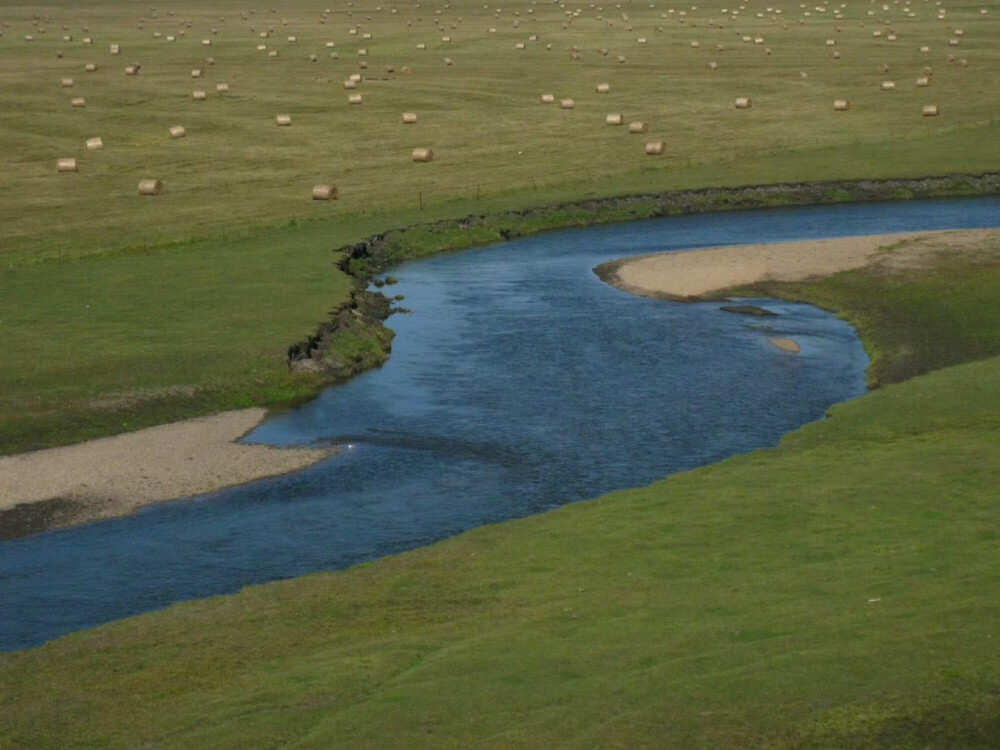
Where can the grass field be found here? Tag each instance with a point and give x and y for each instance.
(837, 591)
(118, 310)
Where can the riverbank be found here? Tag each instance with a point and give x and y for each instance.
(116, 476)
(705, 273)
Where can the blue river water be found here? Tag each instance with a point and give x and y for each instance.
(518, 382)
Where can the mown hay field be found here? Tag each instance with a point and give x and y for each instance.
(119, 309)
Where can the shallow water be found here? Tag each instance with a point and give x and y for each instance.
(518, 383)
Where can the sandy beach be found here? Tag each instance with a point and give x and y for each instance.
(696, 274)
(114, 476)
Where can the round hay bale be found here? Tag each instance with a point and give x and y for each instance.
(888, 85)
(423, 155)
(131, 70)
(713, 66)
(90, 67)
(222, 88)
(931, 110)
(283, 120)
(547, 98)
(389, 69)
(68, 83)
(963, 63)
(324, 193)
(656, 148)
(566, 104)
(841, 105)
(94, 144)
(447, 61)
(66, 165)
(363, 65)
(409, 118)
(883, 68)
(638, 127)
(621, 59)
(78, 102)
(177, 131)
(603, 88)
(803, 75)
(744, 102)
(199, 96)
(924, 81)
(349, 84)
(613, 119)
(150, 187)
(354, 99)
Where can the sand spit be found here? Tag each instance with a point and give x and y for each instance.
(695, 274)
(114, 476)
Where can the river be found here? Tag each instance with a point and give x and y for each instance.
(518, 382)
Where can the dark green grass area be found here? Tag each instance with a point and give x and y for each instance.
(837, 591)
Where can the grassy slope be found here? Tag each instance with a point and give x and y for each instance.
(195, 296)
(835, 591)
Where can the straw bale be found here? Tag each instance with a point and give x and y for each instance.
(272, 53)
(841, 105)
(293, 39)
(613, 119)
(655, 148)
(603, 88)
(67, 83)
(349, 84)
(94, 144)
(150, 187)
(423, 155)
(566, 104)
(90, 67)
(78, 102)
(888, 85)
(283, 120)
(222, 88)
(931, 110)
(924, 81)
(324, 193)
(447, 61)
(638, 127)
(744, 102)
(177, 131)
(362, 52)
(206, 42)
(803, 75)
(547, 98)
(115, 49)
(695, 45)
(356, 77)
(354, 99)
(713, 66)
(198, 96)
(66, 165)
(196, 73)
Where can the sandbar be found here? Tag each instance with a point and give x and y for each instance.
(706, 273)
(115, 476)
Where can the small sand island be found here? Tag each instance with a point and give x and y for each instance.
(703, 274)
(115, 476)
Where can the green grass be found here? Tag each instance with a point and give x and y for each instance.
(838, 590)
(199, 292)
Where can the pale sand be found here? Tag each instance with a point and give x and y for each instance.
(704, 273)
(114, 476)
